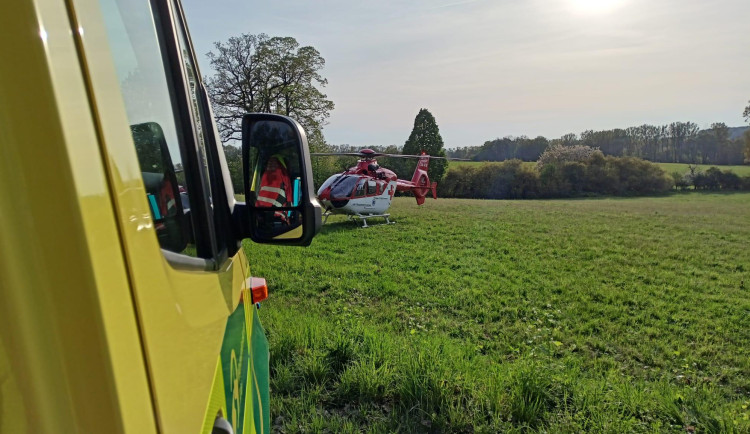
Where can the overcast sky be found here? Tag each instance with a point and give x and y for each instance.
(491, 68)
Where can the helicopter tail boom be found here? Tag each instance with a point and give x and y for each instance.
(420, 184)
(422, 165)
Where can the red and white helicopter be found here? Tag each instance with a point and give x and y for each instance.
(366, 190)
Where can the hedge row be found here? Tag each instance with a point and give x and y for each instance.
(712, 179)
(596, 175)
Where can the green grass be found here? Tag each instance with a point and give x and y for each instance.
(596, 315)
(683, 168)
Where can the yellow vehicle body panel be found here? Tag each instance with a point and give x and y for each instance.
(71, 358)
(183, 313)
(98, 331)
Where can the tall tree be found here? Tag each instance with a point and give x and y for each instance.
(680, 133)
(705, 143)
(721, 133)
(258, 73)
(569, 139)
(425, 136)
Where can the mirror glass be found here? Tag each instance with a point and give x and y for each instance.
(275, 179)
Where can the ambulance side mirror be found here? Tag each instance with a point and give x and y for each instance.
(281, 207)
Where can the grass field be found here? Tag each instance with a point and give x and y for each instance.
(595, 315)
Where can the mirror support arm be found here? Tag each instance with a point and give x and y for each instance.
(241, 220)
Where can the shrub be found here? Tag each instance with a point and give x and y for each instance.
(526, 184)
(680, 181)
(729, 180)
(507, 180)
(637, 176)
(552, 182)
(560, 154)
(716, 179)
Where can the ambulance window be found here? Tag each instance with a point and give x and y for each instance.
(160, 133)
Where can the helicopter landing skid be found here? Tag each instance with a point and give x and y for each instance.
(363, 218)
(326, 215)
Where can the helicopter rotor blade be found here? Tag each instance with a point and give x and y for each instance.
(423, 156)
(373, 154)
(336, 154)
(364, 153)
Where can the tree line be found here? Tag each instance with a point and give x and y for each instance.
(576, 171)
(677, 142)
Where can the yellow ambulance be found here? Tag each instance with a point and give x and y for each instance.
(126, 301)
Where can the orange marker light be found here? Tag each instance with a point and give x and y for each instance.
(259, 289)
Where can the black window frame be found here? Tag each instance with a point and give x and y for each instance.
(227, 238)
(213, 244)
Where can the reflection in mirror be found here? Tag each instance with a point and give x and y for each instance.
(276, 167)
(162, 189)
(278, 224)
(276, 178)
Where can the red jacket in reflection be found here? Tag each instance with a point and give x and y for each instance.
(275, 187)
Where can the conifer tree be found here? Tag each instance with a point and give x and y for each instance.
(425, 136)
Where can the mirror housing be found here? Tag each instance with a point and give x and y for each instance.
(280, 205)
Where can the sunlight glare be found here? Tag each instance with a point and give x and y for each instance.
(594, 7)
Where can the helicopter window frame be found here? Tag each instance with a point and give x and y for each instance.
(372, 187)
(361, 188)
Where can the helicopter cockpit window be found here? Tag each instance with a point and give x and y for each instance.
(329, 181)
(361, 188)
(344, 186)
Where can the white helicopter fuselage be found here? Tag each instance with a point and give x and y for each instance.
(367, 196)
(376, 204)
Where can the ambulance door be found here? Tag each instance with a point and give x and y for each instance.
(168, 177)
